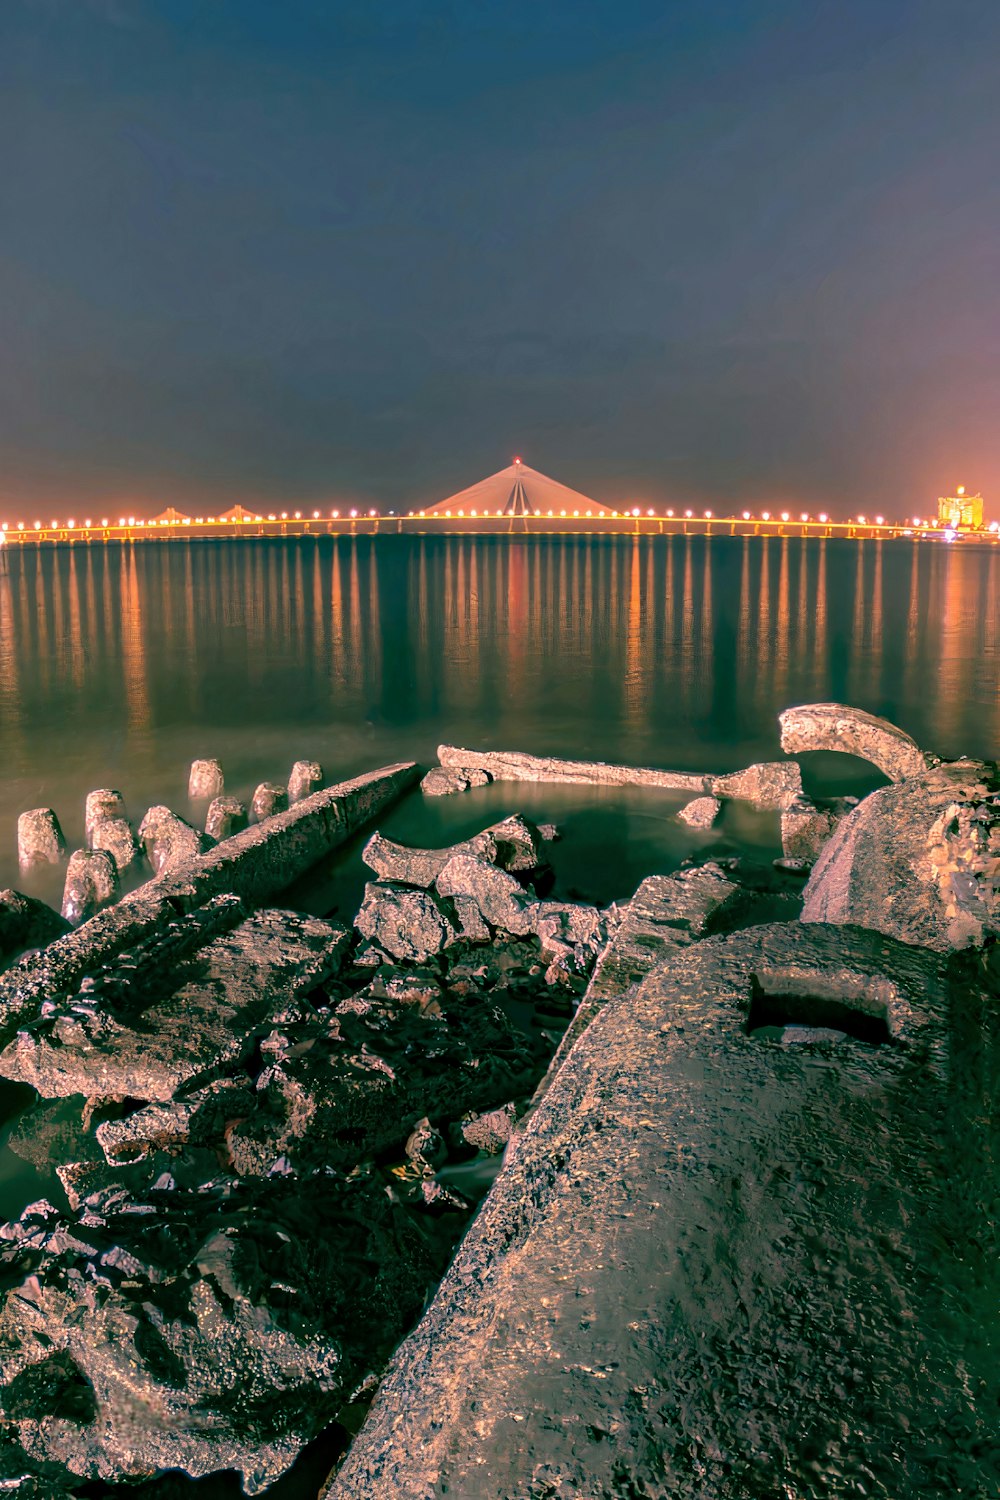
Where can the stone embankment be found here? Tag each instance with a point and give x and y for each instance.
(739, 1240)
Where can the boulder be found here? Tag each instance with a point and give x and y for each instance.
(512, 845)
(168, 841)
(410, 924)
(490, 1131)
(205, 780)
(805, 828)
(268, 799)
(115, 837)
(568, 930)
(91, 882)
(225, 816)
(104, 803)
(834, 726)
(770, 785)
(442, 781)
(39, 838)
(26, 923)
(306, 778)
(917, 860)
(500, 898)
(701, 812)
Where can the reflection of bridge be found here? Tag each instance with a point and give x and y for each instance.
(448, 523)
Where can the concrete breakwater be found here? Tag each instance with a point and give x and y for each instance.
(737, 1245)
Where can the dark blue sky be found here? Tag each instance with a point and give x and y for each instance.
(712, 250)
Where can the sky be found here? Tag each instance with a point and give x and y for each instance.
(727, 252)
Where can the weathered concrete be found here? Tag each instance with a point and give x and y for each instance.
(701, 812)
(512, 844)
(515, 765)
(805, 828)
(115, 837)
(268, 799)
(26, 923)
(225, 816)
(205, 780)
(306, 778)
(446, 782)
(168, 840)
(251, 976)
(720, 1265)
(834, 726)
(40, 839)
(408, 923)
(918, 860)
(101, 804)
(500, 897)
(256, 865)
(91, 882)
(769, 785)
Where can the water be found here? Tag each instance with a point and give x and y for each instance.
(120, 664)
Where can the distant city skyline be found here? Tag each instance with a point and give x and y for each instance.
(738, 253)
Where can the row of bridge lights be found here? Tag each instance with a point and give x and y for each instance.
(89, 525)
(765, 515)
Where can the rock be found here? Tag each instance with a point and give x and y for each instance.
(701, 812)
(150, 1334)
(425, 1147)
(917, 860)
(168, 841)
(512, 845)
(489, 1132)
(91, 882)
(834, 726)
(104, 803)
(446, 782)
(225, 816)
(39, 838)
(115, 837)
(306, 778)
(242, 985)
(409, 924)
(26, 923)
(205, 781)
(498, 895)
(770, 785)
(268, 799)
(548, 832)
(515, 765)
(694, 1213)
(472, 927)
(352, 1086)
(805, 828)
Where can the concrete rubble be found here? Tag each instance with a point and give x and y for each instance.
(834, 726)
(91, 883)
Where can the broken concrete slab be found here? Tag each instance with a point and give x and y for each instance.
(515, 765)
(513, 844)
(238, 984)
(918, 860)
(693, 1213)
(448, 781)
(769, 785)
(835, 726)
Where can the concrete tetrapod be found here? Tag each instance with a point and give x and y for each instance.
(740, 1249)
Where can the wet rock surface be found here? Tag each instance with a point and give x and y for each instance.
(835, 726)
(700, 812)
(448, 781)
(918, 860)
(26, 922)
(115, 837)
(91, 882)
(268, 799)
(770, 1277)
(103, 803)
(168, 840)
(772, 784)
(225, 816)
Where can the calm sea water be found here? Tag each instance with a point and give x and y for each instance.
(120, 664)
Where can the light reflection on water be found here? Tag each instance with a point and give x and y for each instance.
(118, 664)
